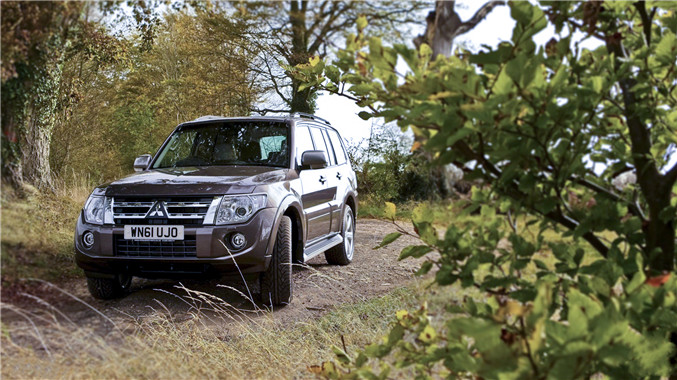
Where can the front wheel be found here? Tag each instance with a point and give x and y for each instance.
(276, 281)
(342, 254)
(109, 288)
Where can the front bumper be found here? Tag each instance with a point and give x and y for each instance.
(211, 255)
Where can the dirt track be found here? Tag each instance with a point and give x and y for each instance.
(317, 288)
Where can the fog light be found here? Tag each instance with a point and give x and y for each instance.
(237, 240)
(88, 239)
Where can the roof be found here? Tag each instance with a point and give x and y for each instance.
(295, 115)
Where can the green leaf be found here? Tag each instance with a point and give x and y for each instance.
(414, 251)
(666, 49)
(332, 72)
(361, 23)
(341, 356)
(425, 268)
(637, 280)
(364, 115)
(391, 237)
(521, 11)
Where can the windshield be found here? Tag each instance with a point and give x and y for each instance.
(232, 143)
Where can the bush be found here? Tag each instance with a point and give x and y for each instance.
(388, 171)
(547, 129)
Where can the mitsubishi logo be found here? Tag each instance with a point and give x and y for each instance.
(158, 211)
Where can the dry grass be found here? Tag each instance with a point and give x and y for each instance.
(37, 229)
(218, 341)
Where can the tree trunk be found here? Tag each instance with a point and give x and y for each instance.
(660, 234)
(657, 188)
(301, 101)
(35, 120)
(35, 147)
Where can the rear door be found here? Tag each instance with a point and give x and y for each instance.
(315, 194)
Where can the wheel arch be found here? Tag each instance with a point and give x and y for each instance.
(296, 233)
(291, 208)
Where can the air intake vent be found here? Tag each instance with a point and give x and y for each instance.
(177, 248)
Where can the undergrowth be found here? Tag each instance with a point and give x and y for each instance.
(37, 229)
(218, 341)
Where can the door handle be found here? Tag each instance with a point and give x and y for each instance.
(322, 179)
(338, 175)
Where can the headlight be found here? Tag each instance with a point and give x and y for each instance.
(238, 209)
(96, 208)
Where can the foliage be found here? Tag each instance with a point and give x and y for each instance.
(548, 128)
(196, 67)
(36, 38)
(388, 171)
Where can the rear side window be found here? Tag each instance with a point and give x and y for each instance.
(318, 139)
(338, 147)
(303, 142)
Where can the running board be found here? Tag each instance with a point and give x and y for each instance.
(321, 246)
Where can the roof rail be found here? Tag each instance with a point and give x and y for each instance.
(309, 116)
(208, 117)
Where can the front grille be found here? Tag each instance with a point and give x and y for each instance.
(180, 210)
(136, 248)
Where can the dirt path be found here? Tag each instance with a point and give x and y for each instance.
(317, 289)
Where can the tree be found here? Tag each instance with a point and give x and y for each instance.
(299, 30)
(443, 25)
(38, 40)
(548, 129)
(196, 67)
(35, 39)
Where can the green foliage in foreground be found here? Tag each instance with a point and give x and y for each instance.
(532, 122)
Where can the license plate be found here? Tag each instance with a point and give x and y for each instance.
(153, 232)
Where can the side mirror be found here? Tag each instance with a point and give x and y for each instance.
(314, 159)
(142, 162)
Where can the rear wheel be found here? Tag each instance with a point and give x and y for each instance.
(276, 281)
(109, 288)
(342, 254)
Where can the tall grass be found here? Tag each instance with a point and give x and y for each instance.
(216, 341)
(37, 228)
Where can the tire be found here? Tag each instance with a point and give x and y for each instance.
(342, 254)
(276, 281)
(109, 288)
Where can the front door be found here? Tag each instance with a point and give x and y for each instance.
(316, 192)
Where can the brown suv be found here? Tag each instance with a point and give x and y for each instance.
(249, 194)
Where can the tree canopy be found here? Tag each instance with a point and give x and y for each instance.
(290, 32)
(548, 129)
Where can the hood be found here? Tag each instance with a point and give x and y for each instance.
(205, 180)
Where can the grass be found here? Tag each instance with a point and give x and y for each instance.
(239, 346)
(443, 211)
(37, 230)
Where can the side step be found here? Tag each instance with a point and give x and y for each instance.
(321, 246)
